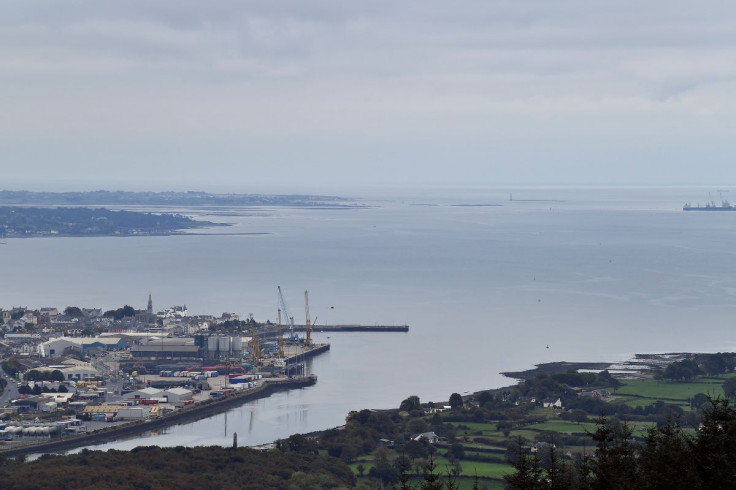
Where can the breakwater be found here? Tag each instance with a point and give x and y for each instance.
(191, 413)
(271, 330)
(356, 328)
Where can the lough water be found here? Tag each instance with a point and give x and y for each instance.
(593, 273)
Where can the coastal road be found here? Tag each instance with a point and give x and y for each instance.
(11, 390)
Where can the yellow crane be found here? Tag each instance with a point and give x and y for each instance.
(255, 346)
(307, 340)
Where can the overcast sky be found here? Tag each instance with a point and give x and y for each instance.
(245, 95)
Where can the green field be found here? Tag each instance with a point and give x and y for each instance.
(476, 426)
(644, 402)
(474, 445)
(564, 426)
(485, 471)
(668, 390)
(469, 468)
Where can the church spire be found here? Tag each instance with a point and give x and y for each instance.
(150, 304)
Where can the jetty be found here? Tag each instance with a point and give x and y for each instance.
(272, 330)
(355, 328)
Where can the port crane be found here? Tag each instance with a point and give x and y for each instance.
(308, 323)
(255, 344)
(281, 338)
(285, 310)
(308, 339)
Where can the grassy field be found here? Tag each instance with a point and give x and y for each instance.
(670, 391)
(473, 445)
(643, 402)
(486, 471)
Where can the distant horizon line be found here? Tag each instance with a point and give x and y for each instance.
(310, 190)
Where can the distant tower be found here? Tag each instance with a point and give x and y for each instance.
(150, 305)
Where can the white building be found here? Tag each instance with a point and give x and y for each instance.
(133, 413)
(145, 394)
(59, 347)
(178, 395)
(74, 370)
(22, 337)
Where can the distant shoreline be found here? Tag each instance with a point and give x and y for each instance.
(138, 235)
(171, 198)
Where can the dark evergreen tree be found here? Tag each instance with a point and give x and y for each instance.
(432, 480)
(729, 388)
(557, 475)
(665, 460)
(582, 473)
(451, 481)
(615, 465)
(475, 482)
(528, 474)
(403, 465)
(456, 401)
(714, 447)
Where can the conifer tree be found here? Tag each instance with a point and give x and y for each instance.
(714, 447)
(665, 460)
(528, 474)
(432, 480)
(615, 464)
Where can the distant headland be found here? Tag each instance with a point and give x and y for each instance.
(25, 214)
(170, 198)
(26, 222)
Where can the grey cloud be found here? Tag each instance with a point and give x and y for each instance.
(343, 84)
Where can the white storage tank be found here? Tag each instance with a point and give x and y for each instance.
(225, 344)
(237, 343)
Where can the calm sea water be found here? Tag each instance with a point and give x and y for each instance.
(593, 273)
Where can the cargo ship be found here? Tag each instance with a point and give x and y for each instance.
(711, 206)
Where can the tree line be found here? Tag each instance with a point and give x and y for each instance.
(668, 456)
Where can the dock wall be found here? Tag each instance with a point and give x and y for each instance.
(192, 413)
